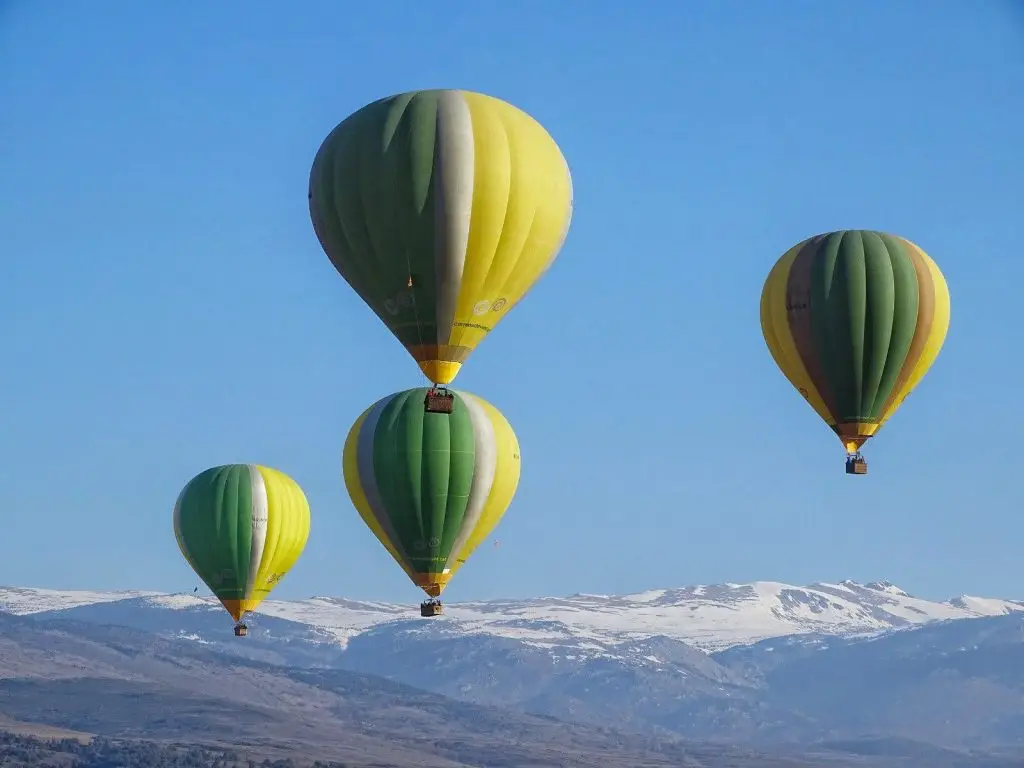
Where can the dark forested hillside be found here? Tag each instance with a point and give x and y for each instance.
(28, 752)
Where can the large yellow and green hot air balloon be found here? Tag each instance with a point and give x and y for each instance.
(241, 527)
(431, 486)
(441, 208)
(854, 319)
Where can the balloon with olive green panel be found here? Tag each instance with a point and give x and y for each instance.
(431, 486)
(441, 208)
(241, 527)
(854, 319)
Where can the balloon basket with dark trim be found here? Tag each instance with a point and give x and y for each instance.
(241, 630)
(439, 401)
(856, 465)
(431, 608)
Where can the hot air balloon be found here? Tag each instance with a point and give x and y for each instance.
(441, 208)
(241, 527)
(854, 319)
(431, 486)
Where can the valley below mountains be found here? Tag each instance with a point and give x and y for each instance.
(756, 674)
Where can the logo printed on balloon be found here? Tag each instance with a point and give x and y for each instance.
(401, 300)
(486, 305)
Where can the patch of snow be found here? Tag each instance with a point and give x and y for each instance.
(986, 606)
(646, 597)
(181, 601)
(193, 637)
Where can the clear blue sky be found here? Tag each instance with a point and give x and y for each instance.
(165, 306)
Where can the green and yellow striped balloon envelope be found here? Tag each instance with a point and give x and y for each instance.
(441, 208)
(241, 527)
(431, 486)
(854, 319)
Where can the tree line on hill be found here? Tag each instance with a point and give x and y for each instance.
(18, 751)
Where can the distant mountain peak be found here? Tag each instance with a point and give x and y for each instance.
(887, 587)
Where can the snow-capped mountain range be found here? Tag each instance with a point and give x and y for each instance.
(711, 618)
(763, 662)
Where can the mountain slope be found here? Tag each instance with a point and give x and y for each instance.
(118, 682)
(958, 683)
(128, 684)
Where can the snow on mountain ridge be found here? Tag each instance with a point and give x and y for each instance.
(710, 617)
(21, 601)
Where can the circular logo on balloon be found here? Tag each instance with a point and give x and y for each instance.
(481, 307)
(434, 542)
(391, 306)
(406, 299)
(419, 544)
(499, 305)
